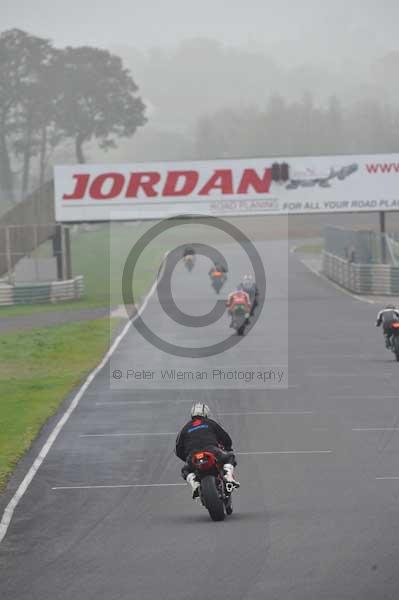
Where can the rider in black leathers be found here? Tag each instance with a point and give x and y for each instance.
(248, 285)
(188, 251)
(203, 433)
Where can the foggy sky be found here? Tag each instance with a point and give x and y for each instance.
(298, 29)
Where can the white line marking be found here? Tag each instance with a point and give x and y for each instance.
(360, 375)
(305, 356)
(386, 478)
(134, 402)
(106, 487)
(12, 505)
(285, 452)
(127, 402)
(244, 414)
(375, 397)
(375, 429)
(84, 435)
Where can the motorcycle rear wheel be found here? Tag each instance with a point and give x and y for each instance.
(212, 501)
(229, 506)
(241, 330)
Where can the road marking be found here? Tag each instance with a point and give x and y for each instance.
(374, 397)
(375, 429)
(135, 434)
(15, 500)
(243, 414)
(386, 478)
(360, 375)
(122, 486)
(285, 452)
(134, 402)
(129, 402)
(305, 356)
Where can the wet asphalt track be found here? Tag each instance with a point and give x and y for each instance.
(312, 519)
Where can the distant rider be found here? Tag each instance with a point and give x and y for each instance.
(248, 285)
(386, 317)
(236, 298)
(188, 251)
(199, 434)
(218, 268)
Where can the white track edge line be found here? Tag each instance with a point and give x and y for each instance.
(15, 500)
(122, 486)
(284, 452)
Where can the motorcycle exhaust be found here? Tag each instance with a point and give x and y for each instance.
(229, 487)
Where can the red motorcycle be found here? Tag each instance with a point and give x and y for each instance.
(215, 493)
(395, 339)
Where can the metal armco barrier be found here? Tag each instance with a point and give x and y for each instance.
(373, 279)
(33, 293)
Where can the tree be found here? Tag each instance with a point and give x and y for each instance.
(15, 51)
(98, 99)
(36, 106)
(27, 97)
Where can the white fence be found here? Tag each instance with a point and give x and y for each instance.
(373, 279)
(33, 293)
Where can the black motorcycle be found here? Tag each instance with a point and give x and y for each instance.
(215, 493)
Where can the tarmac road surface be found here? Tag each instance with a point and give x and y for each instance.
(107, 517)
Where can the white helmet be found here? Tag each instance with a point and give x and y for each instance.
(200, 410)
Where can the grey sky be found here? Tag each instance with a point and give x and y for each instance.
(306, 26)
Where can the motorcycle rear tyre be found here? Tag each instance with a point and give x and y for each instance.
(211, 499)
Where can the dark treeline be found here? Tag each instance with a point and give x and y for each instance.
(299, 128)
(50, 97)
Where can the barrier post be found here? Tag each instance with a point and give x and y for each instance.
(57, 251)
(382, 235)
(9, 257)
(67, 249)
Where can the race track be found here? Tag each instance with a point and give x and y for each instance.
(317, 516)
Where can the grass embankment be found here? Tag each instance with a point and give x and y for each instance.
(37, 370)
(310, 248)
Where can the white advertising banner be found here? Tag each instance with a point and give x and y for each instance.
(227, 187)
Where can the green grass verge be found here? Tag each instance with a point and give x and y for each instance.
(37, 370)
(310, 248)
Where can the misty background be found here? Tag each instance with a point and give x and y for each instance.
(220, 79)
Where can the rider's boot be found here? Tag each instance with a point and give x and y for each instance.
(195, 485)
(229, 475)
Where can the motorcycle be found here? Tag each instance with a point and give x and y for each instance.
(394, 341)
(214, 492)
(240, 318)
(189, 262)
(217, 280)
